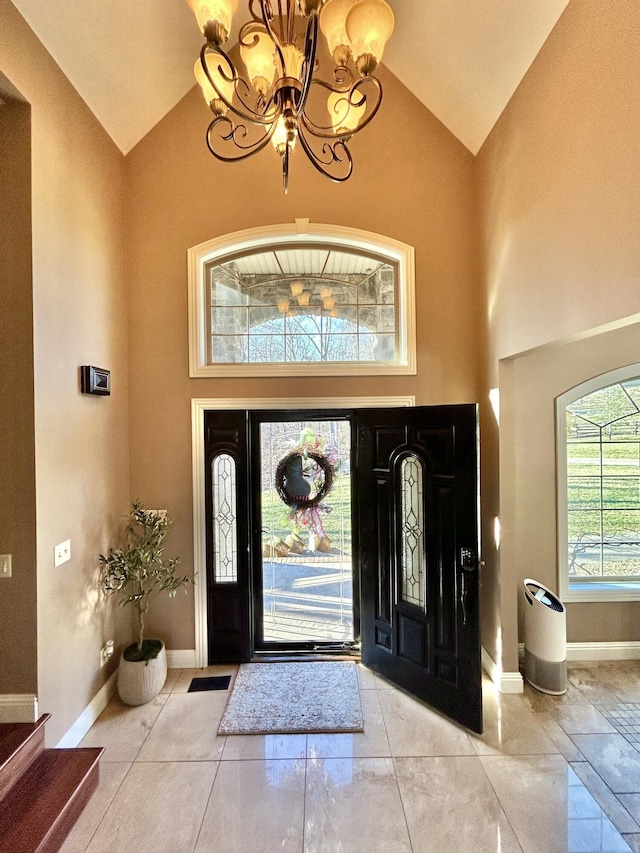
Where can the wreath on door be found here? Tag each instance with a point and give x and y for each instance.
(291, 467)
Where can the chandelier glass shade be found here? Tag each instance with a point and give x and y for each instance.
(269, 88)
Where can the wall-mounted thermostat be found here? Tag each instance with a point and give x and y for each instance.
(95, 380)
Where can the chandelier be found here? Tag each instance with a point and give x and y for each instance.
(271, 90)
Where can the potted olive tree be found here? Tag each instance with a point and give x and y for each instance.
(138, 573)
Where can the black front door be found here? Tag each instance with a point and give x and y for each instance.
(417, 510)
(415, 541)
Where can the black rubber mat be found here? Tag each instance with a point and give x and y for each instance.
(213, 682)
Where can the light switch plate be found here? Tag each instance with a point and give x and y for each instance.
(62, 553)
(5, 565)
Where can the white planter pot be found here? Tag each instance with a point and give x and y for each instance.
(140, 681)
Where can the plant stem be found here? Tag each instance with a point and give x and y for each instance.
(141, 610)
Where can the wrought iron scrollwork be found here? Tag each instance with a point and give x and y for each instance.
(245, 119)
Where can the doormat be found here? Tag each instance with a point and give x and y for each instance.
(288, 698)
(213, 682)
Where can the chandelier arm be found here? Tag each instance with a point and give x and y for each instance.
(258, 18)
(266, 17)
(327, 132)
(343, 76)
(285, 169)
(231, 137)
(291, 16)
(308, 66)
(323, 166)
(246, 112)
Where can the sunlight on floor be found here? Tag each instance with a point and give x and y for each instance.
(548, 774)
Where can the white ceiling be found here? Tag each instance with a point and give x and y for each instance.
(132, 60)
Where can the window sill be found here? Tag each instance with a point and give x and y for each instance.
(307, 368)
(612, 591)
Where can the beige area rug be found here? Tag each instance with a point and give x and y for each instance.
(288, 698)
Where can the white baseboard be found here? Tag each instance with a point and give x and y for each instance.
(176, 659)
(599, 651)
(90, 714)
(603, 651)
(506, 682)
(18, 708)
(181, 659)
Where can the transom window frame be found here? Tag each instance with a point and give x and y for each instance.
(612, 590)
(300, 234)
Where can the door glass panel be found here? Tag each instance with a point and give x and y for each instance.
(305, 502)
(225, 553)
(412, 583)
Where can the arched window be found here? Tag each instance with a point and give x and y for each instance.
(301, 300)
(598, 425)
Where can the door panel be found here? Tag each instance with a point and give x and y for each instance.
(228, 576)
(417, 513)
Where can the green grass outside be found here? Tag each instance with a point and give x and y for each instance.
(613, 501)
(337, 523)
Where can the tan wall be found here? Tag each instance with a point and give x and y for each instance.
(18, 660)
(412, 181)
(558, 183)
(79, 317)
(538, 379)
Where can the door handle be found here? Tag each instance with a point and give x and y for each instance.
(464, 591)
(468, 564)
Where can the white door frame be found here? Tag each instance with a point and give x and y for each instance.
(198, 408)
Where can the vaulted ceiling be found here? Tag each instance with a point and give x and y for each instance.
(132, 60)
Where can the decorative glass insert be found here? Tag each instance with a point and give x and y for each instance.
(302, 305)
(225, 520)
(412, 556)
(603, 485)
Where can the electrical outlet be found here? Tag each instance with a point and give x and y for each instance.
(62, 553)
(5, 565)
(161, 513)
(106, 652)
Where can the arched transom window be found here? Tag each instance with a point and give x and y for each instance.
(599, 482)
(325, 301)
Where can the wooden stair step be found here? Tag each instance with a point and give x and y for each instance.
(42, 806)
(20, 745)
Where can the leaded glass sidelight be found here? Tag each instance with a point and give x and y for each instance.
(412, 554)
(225, 519)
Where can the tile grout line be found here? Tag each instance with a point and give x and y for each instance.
(597, 799)
(402, 805)
(394, 765)
(106, 811)
(215, 775)
(206, 808)
(504, 811)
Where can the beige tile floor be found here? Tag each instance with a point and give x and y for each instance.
(549, 774)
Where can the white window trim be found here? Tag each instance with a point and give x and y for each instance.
(301, 233)
(198, 409)
(597, 591)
